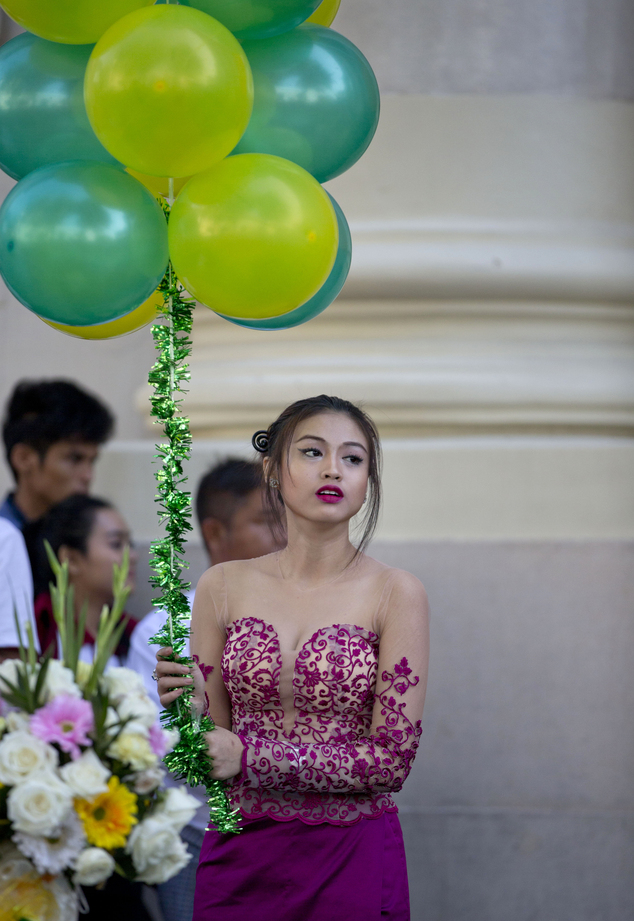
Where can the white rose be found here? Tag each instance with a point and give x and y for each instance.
(138, 707)
(112, 718)
(22, 753)
(134, 749)
(87, 777)
(119, 681)
(9, 670)
(113, 722)
(17, 720)
(59, 680)
(178, 808)
(93, 866)
(148, 780)
(157, 851)
(137, 727)
(40, 805)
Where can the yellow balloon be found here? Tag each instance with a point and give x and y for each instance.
(253, 237)
(168, 91)
(141, 316)
(325, 13)
(158, 185)
(72, 22)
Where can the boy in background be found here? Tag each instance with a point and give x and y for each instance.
(52, 434)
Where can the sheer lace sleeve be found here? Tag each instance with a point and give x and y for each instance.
(208, 639)
(382, 761)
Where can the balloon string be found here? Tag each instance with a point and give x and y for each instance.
(189, 761)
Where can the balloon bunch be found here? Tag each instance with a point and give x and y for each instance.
(247, 105)
(169, 148)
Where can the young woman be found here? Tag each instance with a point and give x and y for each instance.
(315, 660)
(91, 535)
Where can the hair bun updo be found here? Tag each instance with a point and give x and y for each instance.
(260, 442)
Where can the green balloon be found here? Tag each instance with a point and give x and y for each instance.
(43, 117)
(316, 100)
(326, 294)
(81, 242)
(256, 18)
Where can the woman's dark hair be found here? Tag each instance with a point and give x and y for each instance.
(274, 443)
(66, 525)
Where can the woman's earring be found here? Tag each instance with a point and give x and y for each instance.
(273, 483)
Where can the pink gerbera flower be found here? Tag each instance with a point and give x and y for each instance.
(64, 721)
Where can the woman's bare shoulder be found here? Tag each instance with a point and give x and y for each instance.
(398, 586)
(396, 577)
(223, 576)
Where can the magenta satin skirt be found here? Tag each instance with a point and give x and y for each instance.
(289, 871)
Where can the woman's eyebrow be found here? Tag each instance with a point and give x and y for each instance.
(347, 444)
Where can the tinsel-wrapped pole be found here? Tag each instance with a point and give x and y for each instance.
(189, 760)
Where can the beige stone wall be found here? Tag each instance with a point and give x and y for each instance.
(488, 324)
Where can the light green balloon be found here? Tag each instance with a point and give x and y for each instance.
(43, 117)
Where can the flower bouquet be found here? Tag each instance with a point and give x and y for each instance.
(80, 781)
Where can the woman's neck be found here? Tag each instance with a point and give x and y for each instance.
(312, 556)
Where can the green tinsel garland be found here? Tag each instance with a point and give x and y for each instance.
(189, 760)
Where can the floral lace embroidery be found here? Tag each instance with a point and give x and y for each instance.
(205, 669)
(251, 672)
(330, 768)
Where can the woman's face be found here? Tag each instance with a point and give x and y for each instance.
(92, 572)
(326, 477)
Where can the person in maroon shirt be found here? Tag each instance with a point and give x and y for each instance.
(91, 535)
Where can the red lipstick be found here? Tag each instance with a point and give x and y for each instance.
(330, 494)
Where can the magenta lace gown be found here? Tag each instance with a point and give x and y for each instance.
(321, 839)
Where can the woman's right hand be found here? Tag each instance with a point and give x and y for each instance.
(173, 677)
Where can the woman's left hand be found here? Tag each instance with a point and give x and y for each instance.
(225, 750)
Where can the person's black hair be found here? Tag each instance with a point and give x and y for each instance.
(224, 487)
(67, 524)
(274, 443)
(41, 413)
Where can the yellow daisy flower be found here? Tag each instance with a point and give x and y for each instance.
(109, 817)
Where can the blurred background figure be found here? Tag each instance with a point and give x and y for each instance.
(235, 525)
(91, 535)
(52, 433)
(16, 590)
